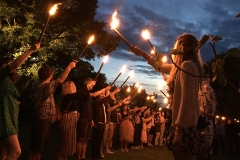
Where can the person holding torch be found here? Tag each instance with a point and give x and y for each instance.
(183, 88)
(9, 104)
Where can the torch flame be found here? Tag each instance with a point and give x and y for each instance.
(159, 86)
(115, 21)
(90, 39)
(165, 100)
(148, 97)
(160, 108)
(139, 89)
(164, 59)
(53, 9)
(128, 89)
(123, 69)
(152, 97)
(131, 73)
(145, 34)
(152, 51)
(137, 85)
(105, 59)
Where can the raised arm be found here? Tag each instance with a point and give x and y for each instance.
(95, 94)
(64, 75)
(110, 109)
(164, 68)
(20, 59)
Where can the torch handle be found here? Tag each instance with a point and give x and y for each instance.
(150, 44)
(116, 79)
(163, 93)
(44, 29)
(99, 71)
(124, 39)
(124, 81)
(82, 52)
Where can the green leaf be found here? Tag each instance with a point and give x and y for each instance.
(238, 15)
(177, 51)
(202, 41)
(215, 39)
(214, 78)
(235, 52)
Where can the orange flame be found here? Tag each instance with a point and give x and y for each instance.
(128, 89)
(90, 39)
(164, 59)
(145, 34)
(115, 21)
(53, 9)
(139, 89)
(105, 59)
(123, 69)
(131, 73)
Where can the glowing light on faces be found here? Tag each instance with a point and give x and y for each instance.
(90, 39)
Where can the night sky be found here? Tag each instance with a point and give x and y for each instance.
(165, 20)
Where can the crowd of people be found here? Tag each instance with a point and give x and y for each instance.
(190, 97)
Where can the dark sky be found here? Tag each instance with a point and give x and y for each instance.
(166, 20)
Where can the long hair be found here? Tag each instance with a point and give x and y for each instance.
(190, 44)
(68, 87)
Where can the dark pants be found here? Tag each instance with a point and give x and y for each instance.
(233, 144)
(137, 135)
(98, 130)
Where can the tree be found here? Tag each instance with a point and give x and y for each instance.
(21, 23)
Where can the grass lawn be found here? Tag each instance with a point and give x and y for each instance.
(50, 152)
(147, 153)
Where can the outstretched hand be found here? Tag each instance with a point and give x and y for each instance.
(108, 88)
(72, 64)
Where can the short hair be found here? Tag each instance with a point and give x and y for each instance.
(88, 80)
(45, 72)
(68, 87)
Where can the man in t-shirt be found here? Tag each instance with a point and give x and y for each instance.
(85, 123)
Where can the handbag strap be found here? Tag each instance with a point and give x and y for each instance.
(68, 106)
